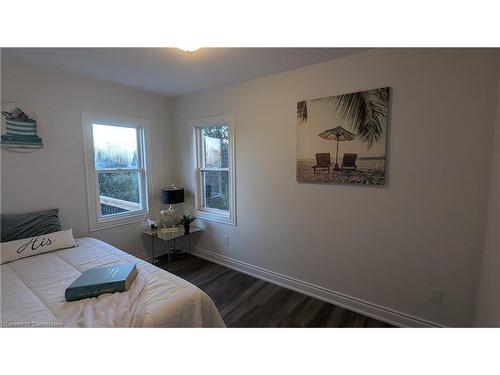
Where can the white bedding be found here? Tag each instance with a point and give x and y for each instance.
(32, 289)
(108, 310)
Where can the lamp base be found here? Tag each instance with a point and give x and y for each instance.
(163, 215)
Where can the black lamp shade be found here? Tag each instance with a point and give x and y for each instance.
(172, 195)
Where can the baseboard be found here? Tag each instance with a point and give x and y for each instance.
(348, 302)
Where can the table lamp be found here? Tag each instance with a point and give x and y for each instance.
(172, 195)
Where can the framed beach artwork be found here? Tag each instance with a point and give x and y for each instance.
(342, 139)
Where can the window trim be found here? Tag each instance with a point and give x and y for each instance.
(96, 221)
(213, 214)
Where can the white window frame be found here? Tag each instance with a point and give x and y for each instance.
(222, 216)
(96, 220)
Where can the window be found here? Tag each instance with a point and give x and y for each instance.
(116, 169)
(215, 197)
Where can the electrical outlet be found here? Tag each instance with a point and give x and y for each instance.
(226, 240)
(436, 295)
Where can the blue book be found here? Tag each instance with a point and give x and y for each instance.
(100, 280)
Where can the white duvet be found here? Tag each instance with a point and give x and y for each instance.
(32, 293)
(108, 310)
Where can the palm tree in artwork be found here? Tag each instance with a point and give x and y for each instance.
(365, 111)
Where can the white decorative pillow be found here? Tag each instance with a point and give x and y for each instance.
(13, 250)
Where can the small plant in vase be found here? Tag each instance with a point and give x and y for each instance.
(186, 221)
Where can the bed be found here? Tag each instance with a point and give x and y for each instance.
(32, 289)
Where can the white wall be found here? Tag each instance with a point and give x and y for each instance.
(54, 176)
(488, 303)
(382, 245)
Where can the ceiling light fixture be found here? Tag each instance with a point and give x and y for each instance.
(189, 49)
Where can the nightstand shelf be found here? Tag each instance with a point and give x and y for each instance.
(171, 237)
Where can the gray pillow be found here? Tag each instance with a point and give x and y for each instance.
(31, 224)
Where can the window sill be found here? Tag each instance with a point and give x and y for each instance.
(223, 219)
(118, 222)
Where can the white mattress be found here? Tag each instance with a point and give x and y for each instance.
(32, 289)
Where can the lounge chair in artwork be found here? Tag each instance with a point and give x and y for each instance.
(349, 161)
(323, 161)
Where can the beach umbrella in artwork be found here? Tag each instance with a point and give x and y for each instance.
(338, 134)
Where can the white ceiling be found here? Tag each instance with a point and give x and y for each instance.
(172, 72)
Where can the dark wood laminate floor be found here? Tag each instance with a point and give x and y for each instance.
(245, 301)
